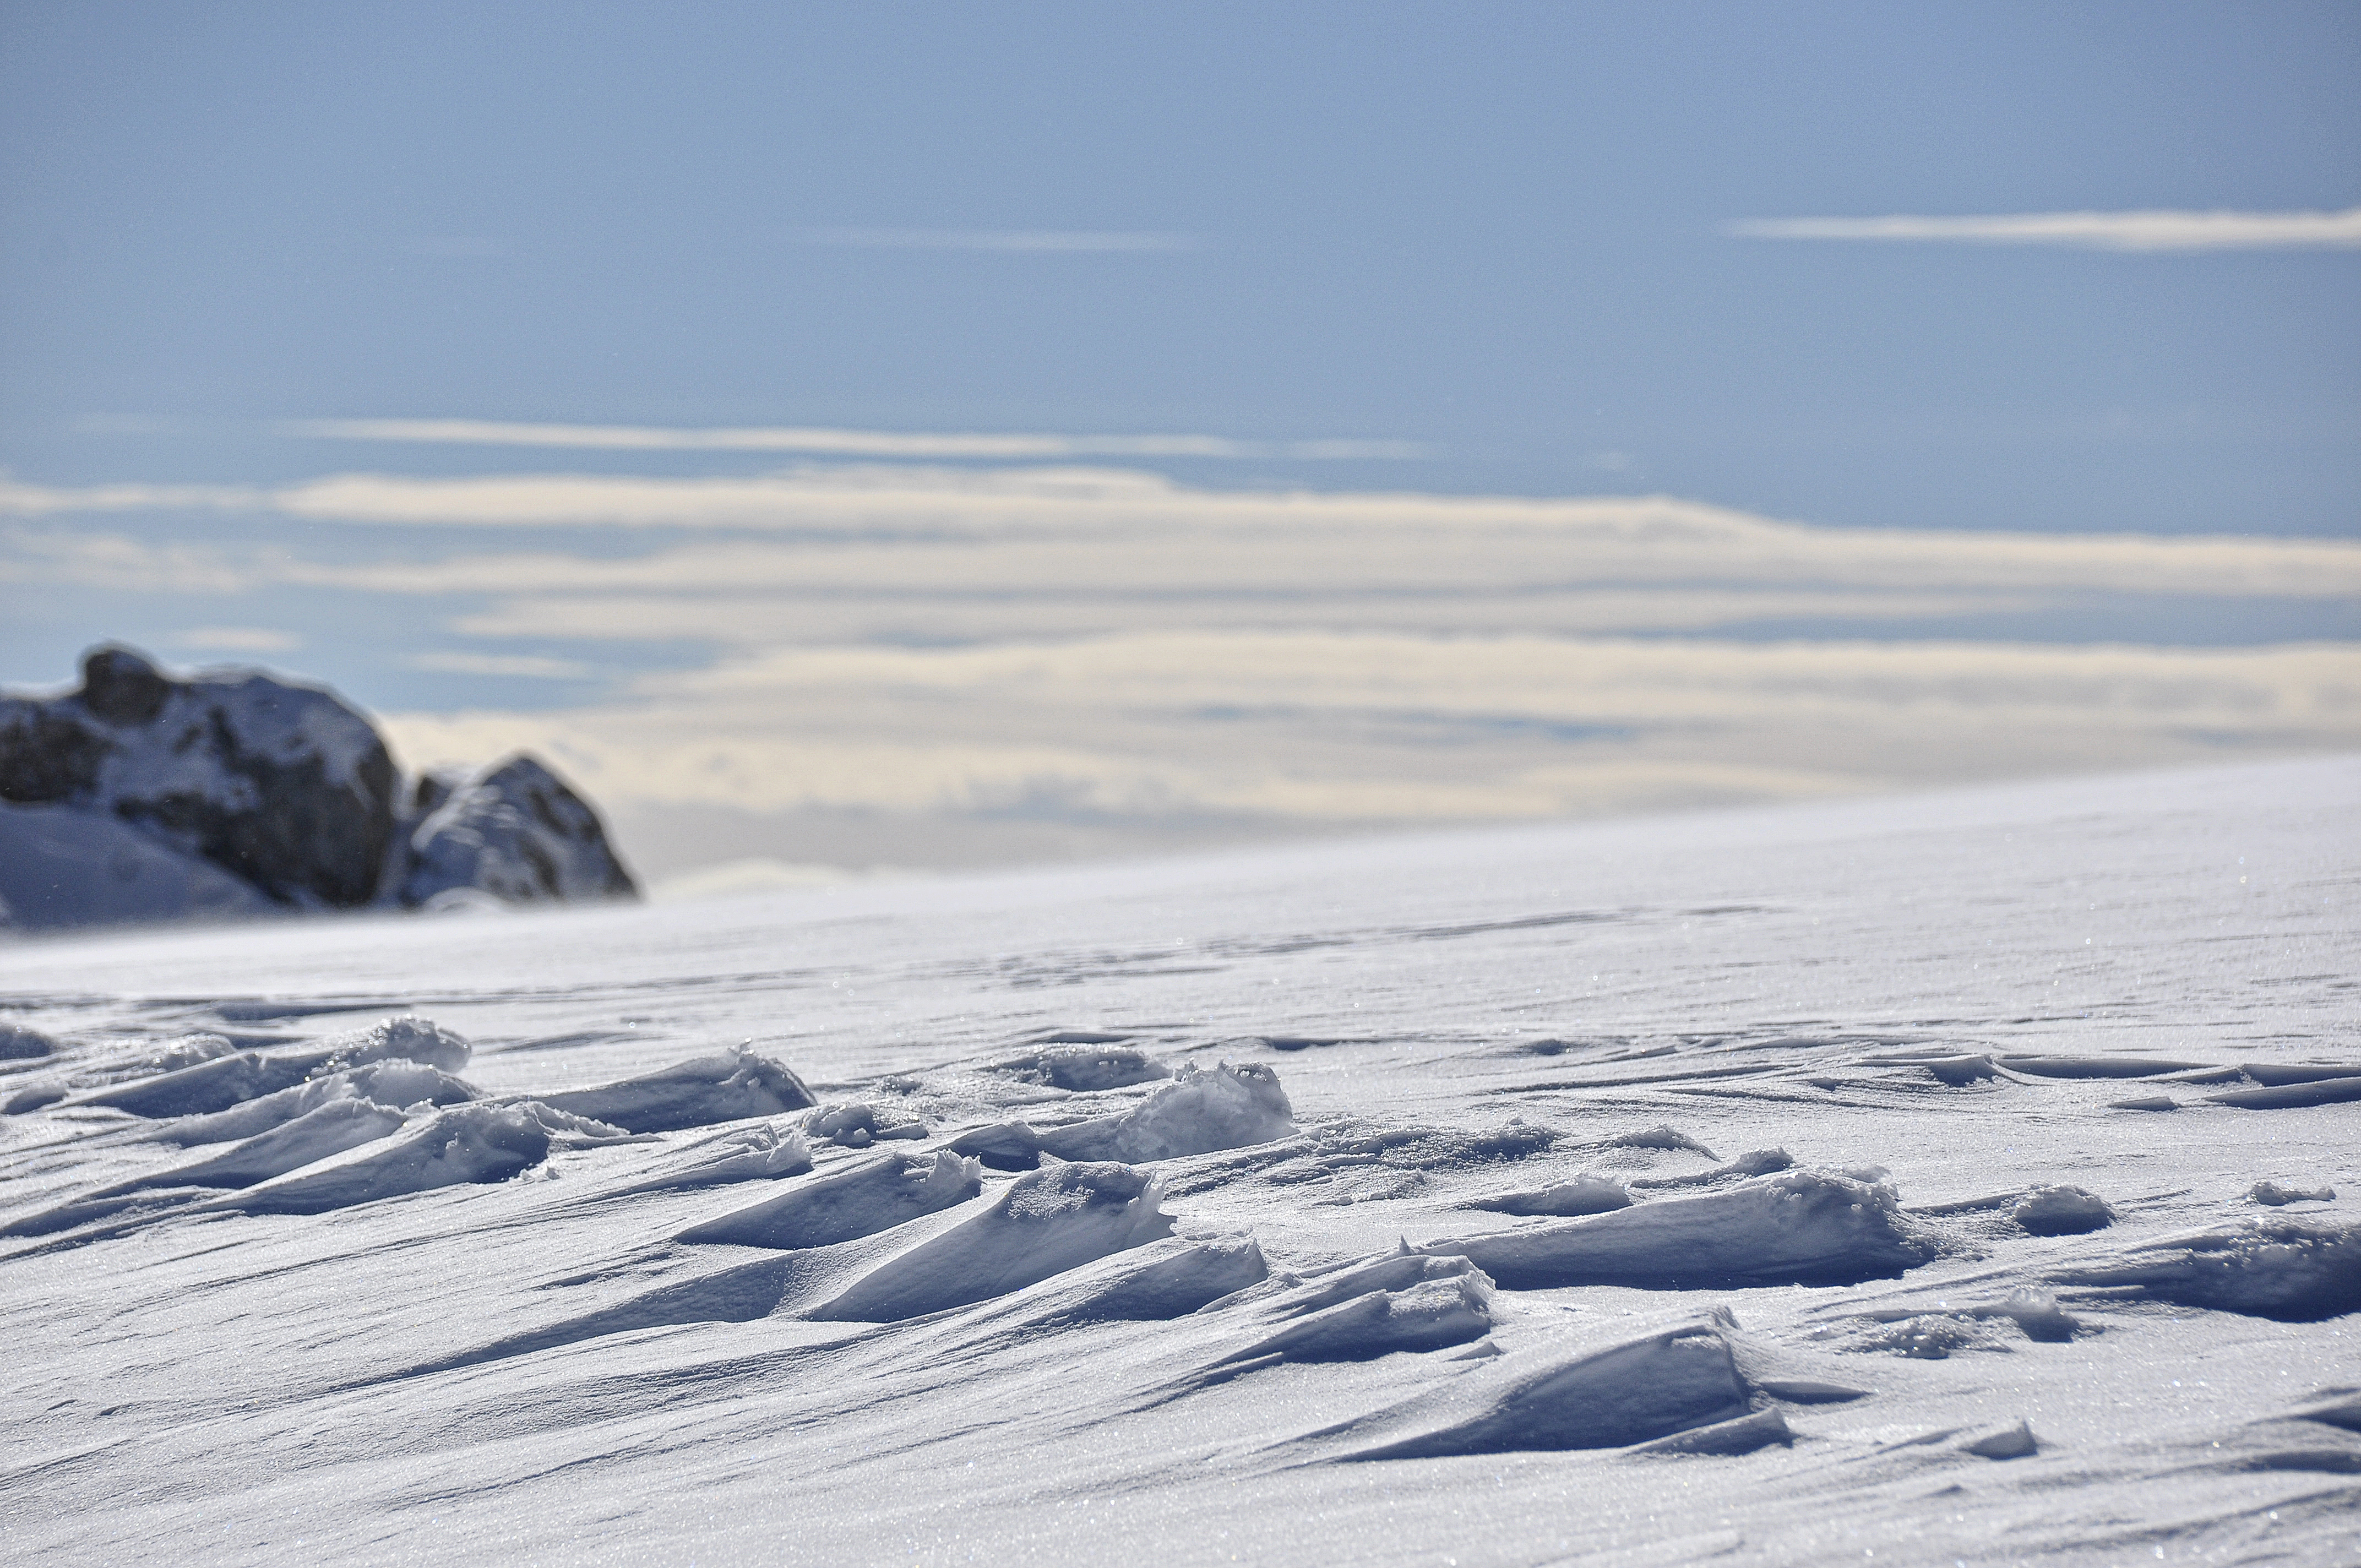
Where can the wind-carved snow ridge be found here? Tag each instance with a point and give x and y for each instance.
(1199, 1111)
(1044, 1222)
(874, 1196)
(218, 1083)
(398, 1083)
(1407, 1302)
(1581, 1194)
(2294, 1271)
(1804, 1227)
(1676, 1378)
(726, 1086)
(465, 1145)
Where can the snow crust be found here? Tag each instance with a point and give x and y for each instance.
(1778, 1187)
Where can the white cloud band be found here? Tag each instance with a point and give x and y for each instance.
(2157, 230)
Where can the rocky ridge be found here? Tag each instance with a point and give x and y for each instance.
(141, 795)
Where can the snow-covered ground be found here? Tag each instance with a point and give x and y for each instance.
(1929, 1181)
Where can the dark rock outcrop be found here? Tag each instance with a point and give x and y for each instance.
(282, 785)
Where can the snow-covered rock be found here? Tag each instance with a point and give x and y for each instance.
(282, 785)
(515, 831)
(144, 796)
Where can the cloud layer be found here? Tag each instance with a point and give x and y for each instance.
(833, 662)
(2155, 230)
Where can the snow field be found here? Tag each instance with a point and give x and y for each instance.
(1343, 1204)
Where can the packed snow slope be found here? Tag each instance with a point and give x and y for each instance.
(1957, 1180)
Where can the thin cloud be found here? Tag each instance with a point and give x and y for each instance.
(1038, 242)
(821, 440)
(527, 665)
(236, 640)
(2157, 230)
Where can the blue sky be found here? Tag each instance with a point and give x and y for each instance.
(531, 369)
(1494, 232)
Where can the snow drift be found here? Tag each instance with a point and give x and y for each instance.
(1045, 1222)
(2294, 1271)
(1804, 1227)
(1199, 1112)
(728, 1086)
(476, 1142)
(874, 1196)
(1673, 1378)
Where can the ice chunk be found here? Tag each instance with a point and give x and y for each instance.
(728, 1086)
(2279, 1196)
(1803, 1227)
(1198, 1112)
(1045, 1222)
(1662, 1136)
(2282, 1268)
(478, 1143)
(874, 1196)
(1673, 1378)
(1584, 1194)
(21, 1042)
(2008, 1442)
(857, 1125)
(2061, 1212)
(1084, 1066)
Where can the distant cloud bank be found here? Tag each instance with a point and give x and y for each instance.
(2157, 230)
(918, 663)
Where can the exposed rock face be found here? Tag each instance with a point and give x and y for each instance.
(515, 831)
(141, 796)
(282, 786)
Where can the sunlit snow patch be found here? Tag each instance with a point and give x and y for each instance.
(857, 1124)
(1083, 1066)
(1802, 1227)
(1044, 1224)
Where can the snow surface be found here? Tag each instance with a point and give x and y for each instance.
(1350, 1203)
